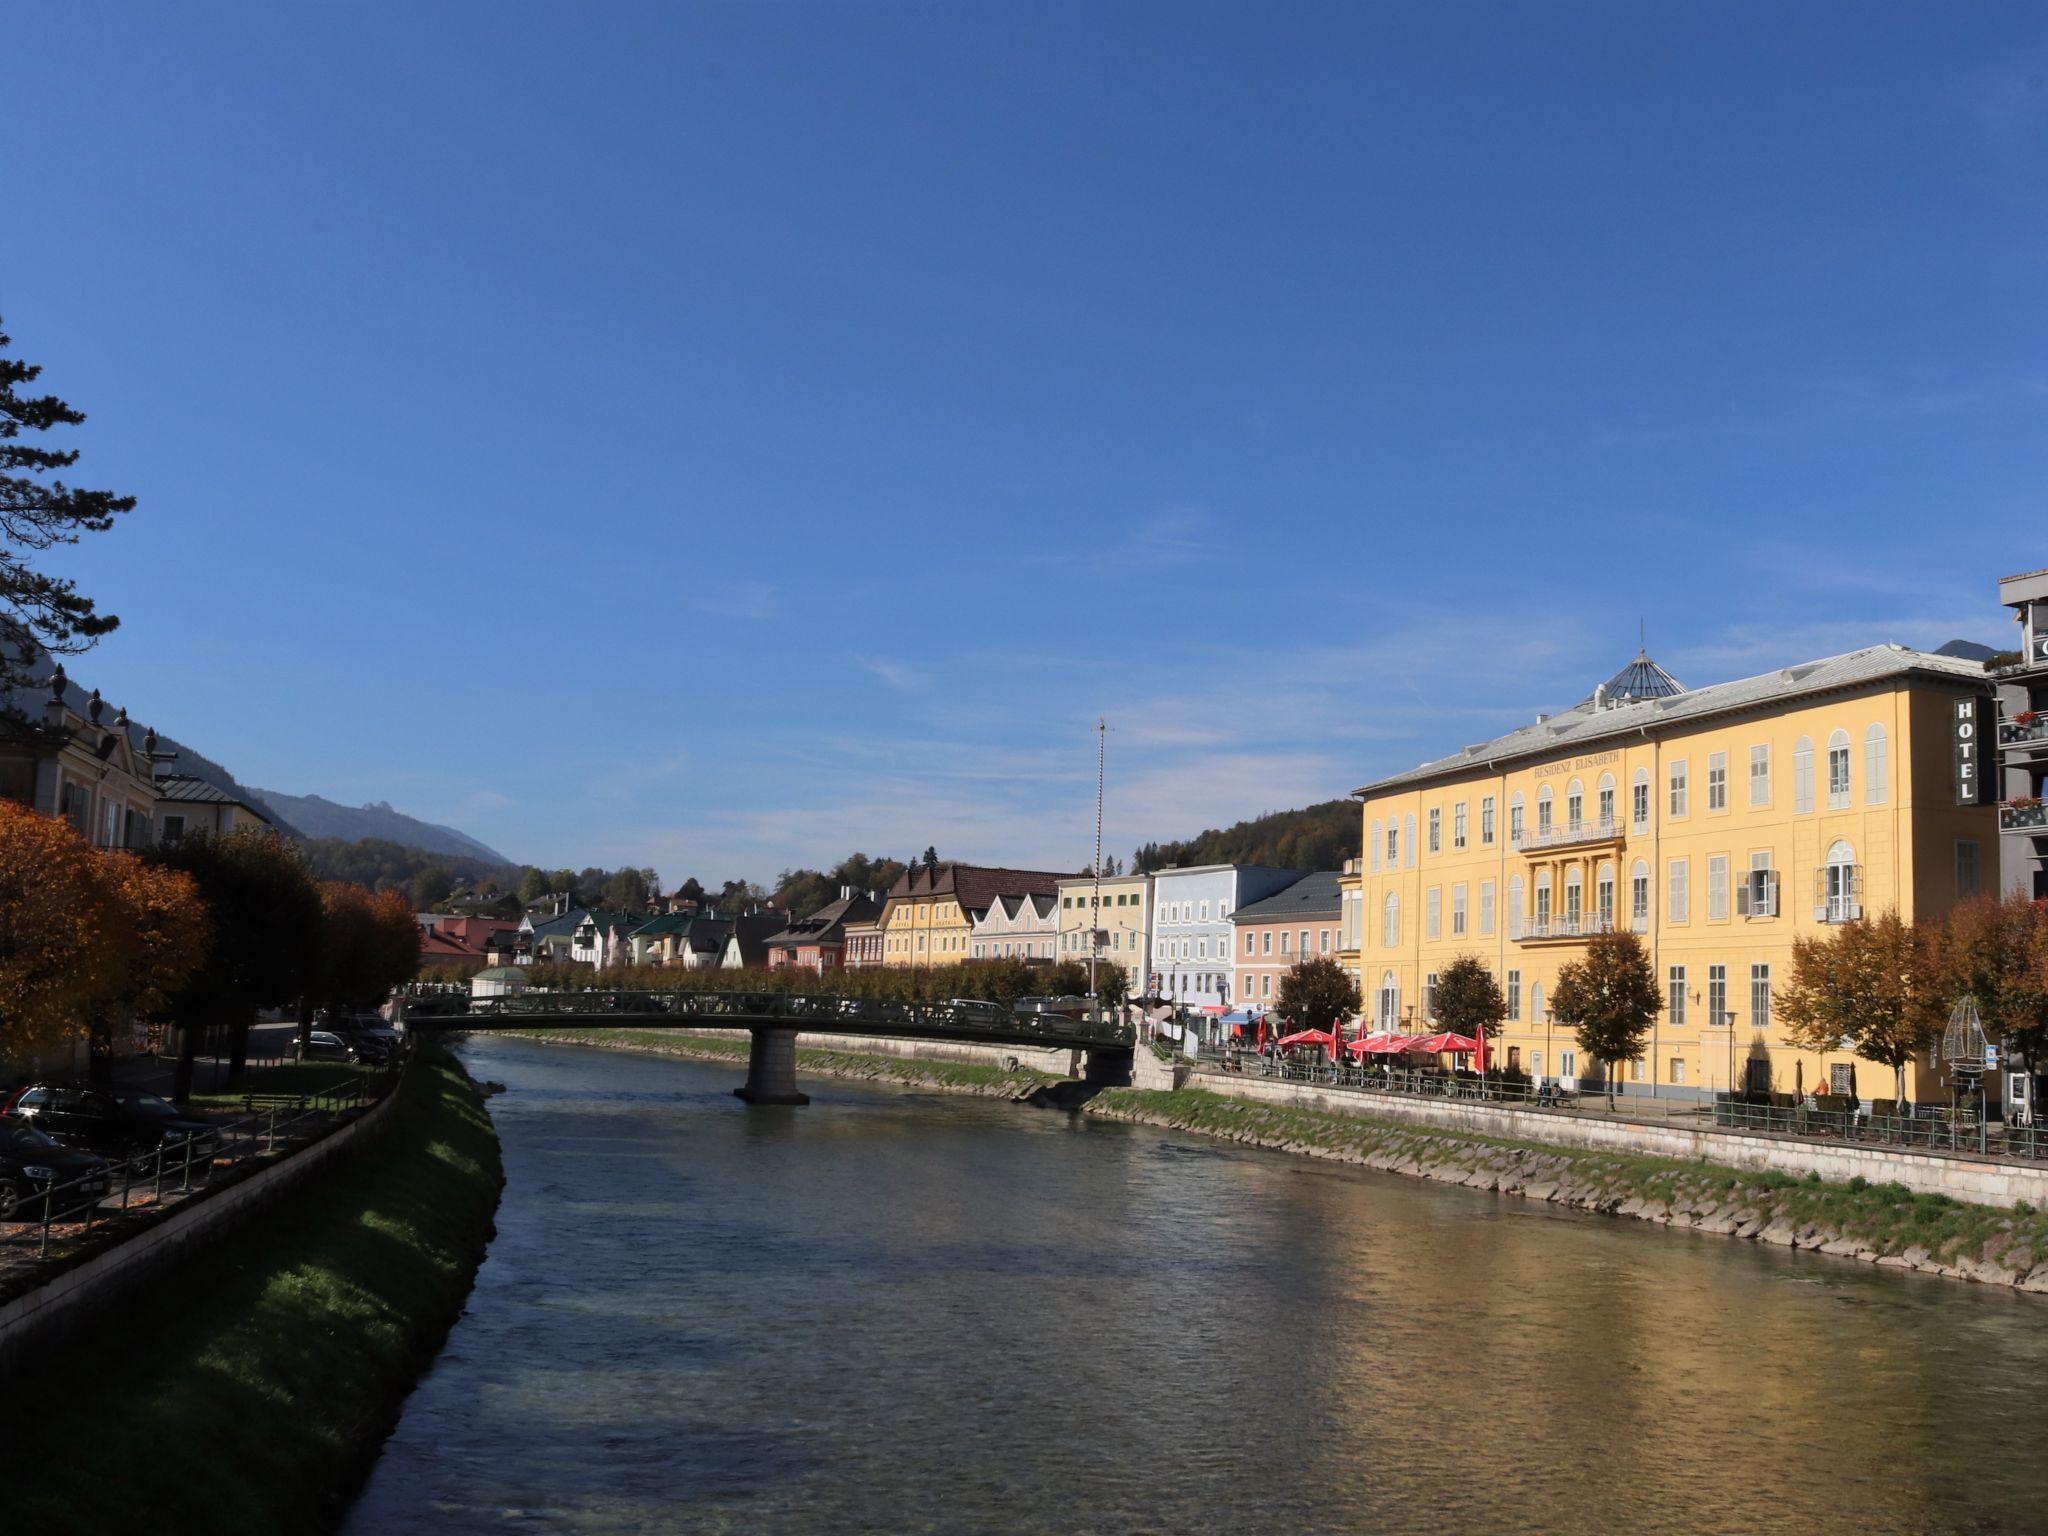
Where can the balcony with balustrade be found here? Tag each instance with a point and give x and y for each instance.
(2029, 815)
(1583, 833)
(1563, 930)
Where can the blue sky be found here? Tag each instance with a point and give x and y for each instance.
(722, 437)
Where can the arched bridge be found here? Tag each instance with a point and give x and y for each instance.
(774, 1019)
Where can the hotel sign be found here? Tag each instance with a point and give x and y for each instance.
(1969, 714)
(1579, 764)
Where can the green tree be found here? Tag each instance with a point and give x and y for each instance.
(533, 884)
(930, 860)
(267, 921)
(1112, 986)
(1317, 994)
(1609, 999)
(431, 887)
(40, 612)
(1875, 986)
(1468, 1000)
(625, 890)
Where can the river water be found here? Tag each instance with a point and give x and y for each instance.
(897, 1311)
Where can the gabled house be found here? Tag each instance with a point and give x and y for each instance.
(746, 944)
(1023, 927)
(600, 939)
(930, 914)
(549, 940)
(818, 942)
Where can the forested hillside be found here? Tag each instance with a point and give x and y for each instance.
(1315, 837)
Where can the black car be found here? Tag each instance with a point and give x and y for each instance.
(375, 1046)
(329, 1045)
(118, 1121)
(31, 1163)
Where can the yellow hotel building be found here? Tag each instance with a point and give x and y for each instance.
(929, 916)
(1719, 824)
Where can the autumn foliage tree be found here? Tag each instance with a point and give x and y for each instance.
(86, 938)
(1609, 999)
(56, 919)
(1876, 986)
(365, 946)
(160, 931)
(1996, 950)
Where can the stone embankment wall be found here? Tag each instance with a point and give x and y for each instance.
(1979, 1180)
(1886, 1224)
(35, 1319)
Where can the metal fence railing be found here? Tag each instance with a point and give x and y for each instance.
(1932, 1127)
(270, 1124)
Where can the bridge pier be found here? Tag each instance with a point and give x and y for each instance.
(1109, 1066)
(771, 1069)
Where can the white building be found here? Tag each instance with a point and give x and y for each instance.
(1016, 928)
(1192, 937)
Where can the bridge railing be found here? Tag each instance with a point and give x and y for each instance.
(841, 1015)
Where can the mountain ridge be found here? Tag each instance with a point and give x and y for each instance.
(316, 816)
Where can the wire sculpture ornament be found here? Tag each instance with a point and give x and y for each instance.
(1964, 1047)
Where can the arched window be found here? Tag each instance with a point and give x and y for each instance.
(1542, 901)
(1574, 896)
(1838, 771)
(1543, 810)
(1839, 898)
(1390, 924)
(1574, 805)
(1639, 897)
(1876, 765)
(1515, 819)
(1536, 1002)
(1802, 775)
(1408, 840)
(1390, 1001)
(1606, 807)
(1603, 897)
(1373, 846)
(1514, 906)
(1639, 801)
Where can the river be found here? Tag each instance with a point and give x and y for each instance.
(898, 1311)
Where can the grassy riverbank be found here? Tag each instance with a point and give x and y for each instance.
(1884, 1224)
(250, 1393)
(983, 1078)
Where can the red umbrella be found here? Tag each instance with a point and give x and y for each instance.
(1320, 1037)
(1383, 1044)
(1436, 1045)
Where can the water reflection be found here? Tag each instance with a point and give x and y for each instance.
(903, 1312)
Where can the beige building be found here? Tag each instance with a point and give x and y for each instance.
(1719, 824)
(930, 914)
(85, 763)
(1112, 917)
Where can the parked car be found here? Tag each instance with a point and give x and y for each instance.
(329, 1045)
(117, 1121)
(375, 1046)
(31, 1164)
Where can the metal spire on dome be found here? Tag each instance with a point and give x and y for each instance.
(1640, 679)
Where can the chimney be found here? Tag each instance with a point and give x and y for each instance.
(846, 893)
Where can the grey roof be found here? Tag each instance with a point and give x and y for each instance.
(1585, 725)
(1315, 895)
(186, 791)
